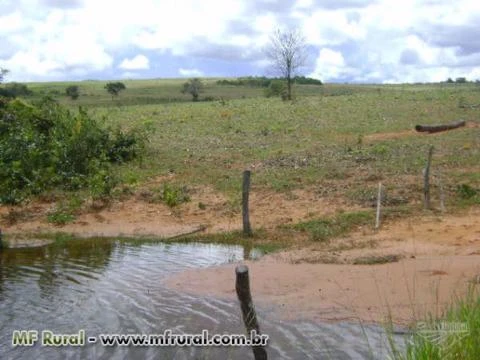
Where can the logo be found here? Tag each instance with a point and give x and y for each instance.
(443, 334)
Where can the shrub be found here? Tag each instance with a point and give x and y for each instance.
(45, 146)
(73, 92)
(276, 88)
(173, 196)
(465, 191)
(193, 87)
(13, 90)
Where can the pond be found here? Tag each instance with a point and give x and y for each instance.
(116, 287)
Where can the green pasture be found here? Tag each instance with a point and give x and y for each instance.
(321, 140)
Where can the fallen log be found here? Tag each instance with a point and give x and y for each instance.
(438, 128)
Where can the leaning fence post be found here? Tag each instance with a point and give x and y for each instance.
(242, 287)
(247, 230)
(426, 180)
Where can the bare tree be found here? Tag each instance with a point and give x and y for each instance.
(287, 51)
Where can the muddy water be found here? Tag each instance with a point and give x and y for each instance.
(115, 287)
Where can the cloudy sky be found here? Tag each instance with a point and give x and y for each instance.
(348, 40)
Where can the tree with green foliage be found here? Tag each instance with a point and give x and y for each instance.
(287, 53)
(193, 87)
(73, 92)
(114, 88)
(3, 73)
(14, 89)
(461, 80)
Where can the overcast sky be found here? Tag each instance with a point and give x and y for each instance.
(348, 40)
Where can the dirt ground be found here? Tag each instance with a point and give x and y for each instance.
(439, 262)
(139, 217)
(438, 254)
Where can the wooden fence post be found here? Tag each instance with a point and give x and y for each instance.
(426, 180)
(442, 194)
(1, 240)
(242, 287)
(247, 230)
(379, 204)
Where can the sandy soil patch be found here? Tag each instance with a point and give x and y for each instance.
(439, 262)
(139, 217)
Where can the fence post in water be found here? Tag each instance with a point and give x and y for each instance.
(242, 286)
(426, 180)
(247, 230)
(379, 204)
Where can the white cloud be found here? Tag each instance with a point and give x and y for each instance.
(11, 23)
(330, 64)
(332, 27)
(139, 62)
(371, 40)
(190, 72)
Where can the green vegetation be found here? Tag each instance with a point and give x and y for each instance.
(173, 195)
(73, 92)
(329, 140)
(44, 146)
(341, 224)
(3, 73)
(455, 335)
(13, 90)
(334, 141)
(262, 81)
(114, 88)
(193, 87)
(277, 88)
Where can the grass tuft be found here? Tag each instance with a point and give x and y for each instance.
(341, 224)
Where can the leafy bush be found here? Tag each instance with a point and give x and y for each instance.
(262, 81)
(45, 146)
(306, 80)
(193, 87)
(73, 92)
(465, 191)
(59, 217)
(276, 88)
(173, 196)
(13, 90)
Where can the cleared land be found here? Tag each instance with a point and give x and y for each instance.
(316, 163)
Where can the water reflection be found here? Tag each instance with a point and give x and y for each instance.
(112, 286)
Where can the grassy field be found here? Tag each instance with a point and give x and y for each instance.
(334, 139)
